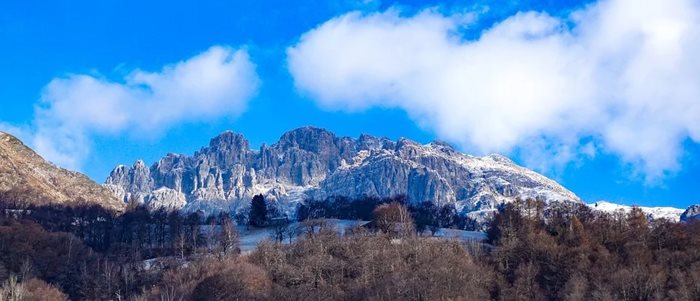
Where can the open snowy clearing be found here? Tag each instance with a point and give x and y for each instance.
(250, 237)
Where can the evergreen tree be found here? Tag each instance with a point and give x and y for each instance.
(258, 211)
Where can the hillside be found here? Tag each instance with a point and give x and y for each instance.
(26, 178)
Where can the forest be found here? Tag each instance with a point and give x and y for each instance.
(561, 251)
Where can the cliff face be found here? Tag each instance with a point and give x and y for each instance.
(315, 163)
(27, 178)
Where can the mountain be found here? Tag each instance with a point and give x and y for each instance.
(315, 163)
(27, 178)
(669, 213)
(692, 213)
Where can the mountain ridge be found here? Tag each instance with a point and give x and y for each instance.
(311, 162)
(26, 178)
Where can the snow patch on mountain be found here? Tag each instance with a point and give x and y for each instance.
(670, 213)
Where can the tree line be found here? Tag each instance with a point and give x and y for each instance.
(426, 215)
(92, 253)
(558, 251)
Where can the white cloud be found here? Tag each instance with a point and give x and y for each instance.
(215, 83)
(620, 73)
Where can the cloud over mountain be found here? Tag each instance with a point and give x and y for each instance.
(215, 83)
(615, 77)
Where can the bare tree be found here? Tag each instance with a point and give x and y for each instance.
(228, 236)
(12, 290)
(394, 219)
(280, 227)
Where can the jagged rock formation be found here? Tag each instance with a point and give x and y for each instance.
(692, 213)
(314, 163)
(26, 178)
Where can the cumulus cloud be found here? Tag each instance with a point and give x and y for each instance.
(217, 82)
(618, 77)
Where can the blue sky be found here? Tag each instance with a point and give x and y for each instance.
(281, 46)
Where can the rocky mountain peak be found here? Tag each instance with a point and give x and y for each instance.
(140, 164)
(403, 142)
(408, 148)
(172, 161)
(225, 150)
(369, 142)
(119, 174)
(308, 138)
(229, 140)
(441, 144)
(141, 176)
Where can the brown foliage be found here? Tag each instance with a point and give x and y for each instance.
(536, 252)
(242, 281)
(31, 290)
(361, 267)
(38, 290)
(394, 219)
(572, 254)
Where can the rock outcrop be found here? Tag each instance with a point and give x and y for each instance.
(315, 163)
(690, 214)
(26, 178)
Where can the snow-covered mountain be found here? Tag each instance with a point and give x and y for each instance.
(315, 163)
(669, 213)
